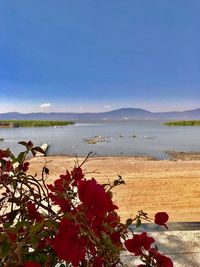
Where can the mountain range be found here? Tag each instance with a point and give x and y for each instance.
(118, 114)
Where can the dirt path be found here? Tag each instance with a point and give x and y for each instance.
(172, 186)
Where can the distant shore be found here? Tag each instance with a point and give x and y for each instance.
(183, 123)
(151, 185)
(32, 123)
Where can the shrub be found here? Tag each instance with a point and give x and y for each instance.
(71, 222)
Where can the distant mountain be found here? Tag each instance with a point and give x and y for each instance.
(180, 115)
(118, 114)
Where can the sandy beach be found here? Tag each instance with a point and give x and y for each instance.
(167, 185)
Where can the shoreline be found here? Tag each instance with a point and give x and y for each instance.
(173, 155)
(181, 155)
(151, 185)
(139, 157)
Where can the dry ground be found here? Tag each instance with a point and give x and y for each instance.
(172, 186)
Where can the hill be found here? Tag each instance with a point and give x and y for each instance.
(118, 114)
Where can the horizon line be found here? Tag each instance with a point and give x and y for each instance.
(50, 112)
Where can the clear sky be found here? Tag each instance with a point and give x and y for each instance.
(90, 55)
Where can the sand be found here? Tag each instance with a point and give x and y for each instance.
(172, 186)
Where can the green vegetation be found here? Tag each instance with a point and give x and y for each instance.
(183, 123)
(33, 123)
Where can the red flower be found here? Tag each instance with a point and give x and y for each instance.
(29, 144)
(115, 237)
(98, 262)
(94, 198)
(33, 213)
(161, 218)
(112, 219)
(66, 177)
(51, 187)
(92, 249)
(161, 260)
(60, 184)
(63, 203)
(25, 166)
(43, 243)
(12, 236)
(9, 166)
(139, 242)
(32, 264)
(4, 153)
(67, 244)
(77, 175)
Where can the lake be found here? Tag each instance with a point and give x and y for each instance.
(128, 138)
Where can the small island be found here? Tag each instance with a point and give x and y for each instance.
(183, 123)
(33, 123)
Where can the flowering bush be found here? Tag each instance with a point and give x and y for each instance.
(72, 222)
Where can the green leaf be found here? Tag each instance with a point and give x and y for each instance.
(19, 225)
(12, 156)
(14, 160)
(156, 247)
(46, 170)
(129, 222)
(121, 181)
(14, 214)
(7, 225)
(51, 224)
(36, 228)
(14, 184)
(4, 248)
(34, 239)
(21, 157)
(23, 143)
(138, 223)
(116, 182)
(39, 149)
(37, 257)
(33, 152)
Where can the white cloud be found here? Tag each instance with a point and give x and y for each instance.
(107, 106)
(45, 105)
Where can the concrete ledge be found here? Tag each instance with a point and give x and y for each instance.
(183, 247)
(172, 226)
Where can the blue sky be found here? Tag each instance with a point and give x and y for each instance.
(60, 55)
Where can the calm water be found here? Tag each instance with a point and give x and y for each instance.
(123, 138)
